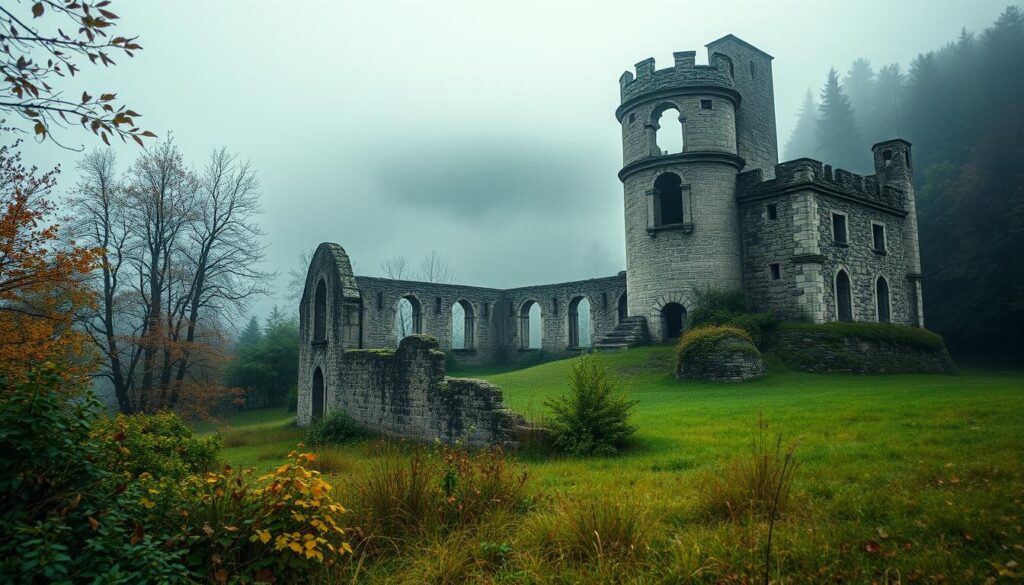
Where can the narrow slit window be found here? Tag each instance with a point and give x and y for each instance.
(878, 237)
(773, 211)
(776, 270)
(839, 234)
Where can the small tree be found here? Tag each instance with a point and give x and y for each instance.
(593, 418)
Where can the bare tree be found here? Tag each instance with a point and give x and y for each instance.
(297, 276)
(397, 268)
(434, 268)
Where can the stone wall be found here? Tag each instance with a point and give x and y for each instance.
(825, 351)
(404, 392)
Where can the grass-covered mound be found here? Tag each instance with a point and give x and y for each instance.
(718, 352)
(866, 348)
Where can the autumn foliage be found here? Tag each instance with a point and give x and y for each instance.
(41, 277)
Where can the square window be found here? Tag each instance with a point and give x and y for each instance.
(839, 228)
(705, 104)
(632, 118)
(773, 211)
(878, 236)
(776, 271)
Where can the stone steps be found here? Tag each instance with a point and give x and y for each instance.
(630, 332)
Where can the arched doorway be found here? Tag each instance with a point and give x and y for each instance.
(530, 326)
(319, 394)
(673, 319)
(462, 325)
(579, 312)
(320, 311)
(408, 318)
(622, 310)
(844, 299)
(882, 300)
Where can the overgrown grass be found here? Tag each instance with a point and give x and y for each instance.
(890, 333)
(915, 475)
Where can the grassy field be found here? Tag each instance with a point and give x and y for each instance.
(903, 478)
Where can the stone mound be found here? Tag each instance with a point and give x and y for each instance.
(718, 353)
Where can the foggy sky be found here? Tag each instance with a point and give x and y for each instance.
(483, 130)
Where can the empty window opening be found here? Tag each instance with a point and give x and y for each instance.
(882, 299)
(673, 316)
(706, 105)
(623, 310)
(380, 300)
(887, 157)
(487, 310)
(776, 270)
(320, 312)
(408, 318)
(530, 326)
(462, 325)
(579, 322)
(604, 301)
(844, 300)
(319, 392)
(437, 305)
(669, 204)
(753, 70)
(632, 117)
(839, 233)
(554, 306)
(669, 138)
(906, 156)
(878, 236)
(773, 211)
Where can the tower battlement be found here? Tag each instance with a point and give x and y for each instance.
(684, 73)
(805, 172)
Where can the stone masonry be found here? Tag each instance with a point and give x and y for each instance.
(801, 239)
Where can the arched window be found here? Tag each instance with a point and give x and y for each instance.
(579, 322)
(673, 317)
(530, 326)
(408, 317)
(320, 312)
(668, 203)
(882, 300)
(462, 325)
(319, 392)
(623, 310)
(844, 300)
(669, 125)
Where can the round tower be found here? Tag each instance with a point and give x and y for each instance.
(682, 230)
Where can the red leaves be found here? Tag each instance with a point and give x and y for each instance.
(872, 547)
(37, 9)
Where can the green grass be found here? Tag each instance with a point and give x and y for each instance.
(916, 475)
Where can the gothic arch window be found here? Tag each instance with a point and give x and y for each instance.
(669, 130)
(579, 322)
(319, 394)
(673, 319)
(530, 326)
(668, 200)
(462, 325)
(844, 296)
(408, 317)
(882, 300)
(320, 311)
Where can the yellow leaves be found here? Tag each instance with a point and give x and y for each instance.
(309, 456)
(295, 547)
(284, 468)
(147, 503)
(263, 535)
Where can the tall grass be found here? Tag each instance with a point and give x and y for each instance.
(260, 435)
(592, 529)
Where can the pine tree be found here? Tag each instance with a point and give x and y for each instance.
(859, 85)
(888, 103)
(251, 335)
(803, 140)
(838, 137)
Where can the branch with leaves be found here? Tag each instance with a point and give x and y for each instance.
(33, 57)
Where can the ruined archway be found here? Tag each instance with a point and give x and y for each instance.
(408, 318)
(462, 325)
(580, 322)
(319, 394)
(669, 128)
(530, 325)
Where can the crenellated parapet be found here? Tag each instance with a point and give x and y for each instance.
(685, 73)
(805, 173)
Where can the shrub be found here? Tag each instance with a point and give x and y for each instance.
(160, 444)
(333, 428)
(592, 419)
(758, 485)
(592, 529)
(716, 307)
(701, 342)
(885, 332)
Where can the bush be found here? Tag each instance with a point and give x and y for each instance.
(333, 428)
(715, 307)
(885, 332)
(159, 444)
(592, 419)
(700, 342)
(757, 485)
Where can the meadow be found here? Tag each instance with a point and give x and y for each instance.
(901, 478)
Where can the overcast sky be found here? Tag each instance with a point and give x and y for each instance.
(484, 130)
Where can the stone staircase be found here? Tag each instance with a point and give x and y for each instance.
(630, 332)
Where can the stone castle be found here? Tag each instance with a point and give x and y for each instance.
(801, 239)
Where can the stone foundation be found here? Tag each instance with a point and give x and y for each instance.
(825, 352)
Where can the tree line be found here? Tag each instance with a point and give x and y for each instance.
(960, 106)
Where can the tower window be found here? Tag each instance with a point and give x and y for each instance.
(705, 104)
(776, 270)
(753, 70)
(878, 237)
(668, 200)
(668, 129)
(839, 233)
(632, 118)
(887, 158)
(773, 211)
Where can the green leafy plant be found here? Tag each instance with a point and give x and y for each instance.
(593, 418)
(334, 428)
(717, 307)
(160, 444)
(700, 342)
